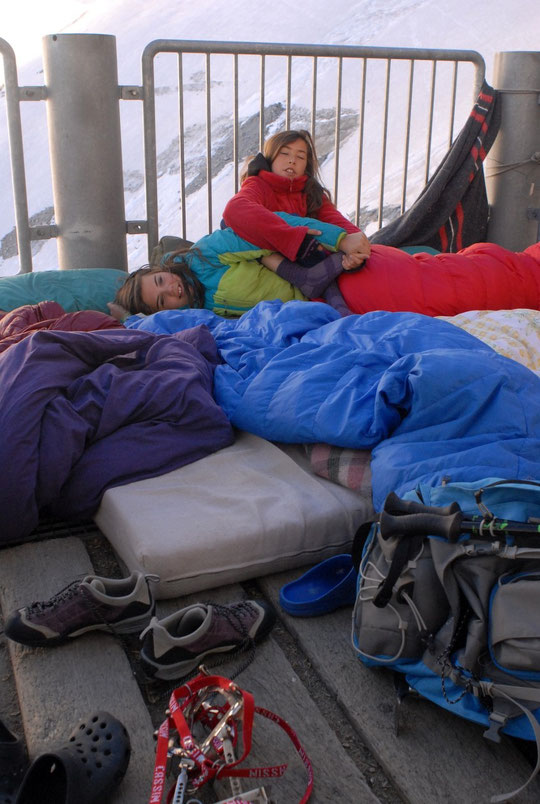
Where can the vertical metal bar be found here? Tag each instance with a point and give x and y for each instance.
(314, 98)
(261, 105)
(385, 138)
(337, 128)
(181, 143)
(479, 75)
(289, 82)
(150, 150)
(235, 121)
(430, 122)
(84, 118)
(361, 121)
(407, 138)
(16, 152)
(209, 143)
(453, 105)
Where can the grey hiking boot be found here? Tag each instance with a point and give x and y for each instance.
(176, 645)
(122, 606)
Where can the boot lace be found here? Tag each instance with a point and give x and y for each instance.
(40, 607)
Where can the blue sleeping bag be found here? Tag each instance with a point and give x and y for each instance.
(433, 402)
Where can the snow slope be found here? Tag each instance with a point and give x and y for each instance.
(497, 25)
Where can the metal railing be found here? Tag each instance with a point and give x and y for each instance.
(286, 103)
(381, 117)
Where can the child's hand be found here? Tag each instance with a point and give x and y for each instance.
(118, 312)
(357, 244)
(352, 261)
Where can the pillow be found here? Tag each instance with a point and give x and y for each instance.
(247, 510)
(81, 289)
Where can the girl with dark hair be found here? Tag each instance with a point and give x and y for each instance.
(285, 178)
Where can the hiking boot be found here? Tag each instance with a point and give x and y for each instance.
(176, 645)
(122, 606)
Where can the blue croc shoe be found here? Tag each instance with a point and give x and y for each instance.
(322, 589)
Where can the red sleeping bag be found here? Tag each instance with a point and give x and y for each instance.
(19, 323)
(483, 276)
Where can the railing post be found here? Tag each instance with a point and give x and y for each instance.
(16, 152)
(83, 116)
(513, 164)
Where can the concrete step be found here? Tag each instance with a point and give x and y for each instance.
(59, 686)
(306, 672)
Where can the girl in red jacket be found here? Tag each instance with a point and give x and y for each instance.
(284, 178)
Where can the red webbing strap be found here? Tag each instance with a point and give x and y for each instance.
(274, 770)
(297, 744)
(160, 765)
(181, 699)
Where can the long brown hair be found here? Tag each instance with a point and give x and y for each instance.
(129, 295)
(315, 191)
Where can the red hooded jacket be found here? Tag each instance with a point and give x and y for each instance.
(250, 213)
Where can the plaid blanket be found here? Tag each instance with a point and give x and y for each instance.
(348, 467)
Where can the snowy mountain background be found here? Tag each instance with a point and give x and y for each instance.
(497, 25)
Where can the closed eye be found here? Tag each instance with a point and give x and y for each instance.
(297, 154)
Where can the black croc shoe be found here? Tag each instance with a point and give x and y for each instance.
(85, 770)
(13, 764)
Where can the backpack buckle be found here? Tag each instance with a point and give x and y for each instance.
(496, 723)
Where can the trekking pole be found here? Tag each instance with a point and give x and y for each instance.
(402, 518)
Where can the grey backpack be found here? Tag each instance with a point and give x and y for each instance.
(449, 596)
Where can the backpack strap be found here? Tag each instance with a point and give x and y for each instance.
(359, 541)
(513, 694)
(525, 693)
(407, 548)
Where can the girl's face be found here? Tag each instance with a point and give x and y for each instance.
(163, 291)
(291, 160)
